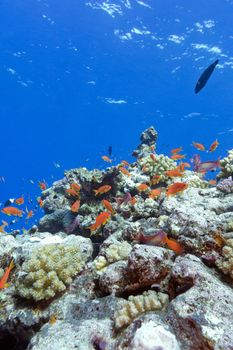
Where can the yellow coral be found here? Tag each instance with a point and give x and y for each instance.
(136, 305)
(49, 270)
(158, 167)
(115, 252)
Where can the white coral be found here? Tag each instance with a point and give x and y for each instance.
(136, 305)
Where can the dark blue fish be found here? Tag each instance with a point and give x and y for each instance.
(205, 77)
(110, 150)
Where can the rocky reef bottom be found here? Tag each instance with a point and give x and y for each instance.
(137, 257)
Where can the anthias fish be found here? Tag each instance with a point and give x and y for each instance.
(102, 189)
(12, 211)
(100, 220)
(176, 188)
(205, 76)
(213, 146)
(199, 146)
(106, 159)
(3, 281)
(108, 206)
(210, 165)
(158, 238)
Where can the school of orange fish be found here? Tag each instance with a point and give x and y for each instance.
(144, 188)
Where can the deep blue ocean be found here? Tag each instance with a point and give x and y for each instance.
(80, 75)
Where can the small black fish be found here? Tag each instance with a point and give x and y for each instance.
(9, 202)
(110, 150)
(205, 77)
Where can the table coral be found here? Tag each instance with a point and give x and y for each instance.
(49, 270)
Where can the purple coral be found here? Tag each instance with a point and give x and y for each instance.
(226, 185)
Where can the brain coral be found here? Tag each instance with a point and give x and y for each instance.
(49, 270)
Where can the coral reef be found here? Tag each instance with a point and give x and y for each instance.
(156, 275)
(137, 305)
(226, 165)
(49, 271)
(157, 167)
(226, 185)
(225, 262)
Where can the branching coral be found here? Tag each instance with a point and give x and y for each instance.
(225, 263)
(137, 305)
(158, 166)
(49, 270)
(194, 180)
(226, 165)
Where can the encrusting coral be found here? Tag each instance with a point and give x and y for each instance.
(115, 252)
(225, 263)
(137, 305)
(49, 270)
(226, 165)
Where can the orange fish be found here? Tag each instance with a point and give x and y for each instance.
(125, 163)
(106, 159)
(75, 206)
(142, 187)
(12, 211)
(100, 220)
(213, 146)
(212, 182)
(72, 192)
(173, 173)
(3, 281)
(185, 165)
(178, 156)
(175, 188)
(124, 171)
(102, 189)
(154, 194)
(174, 245)
(199, 146)
(153, 157)
(29, 214)
(176, 150)
(108, 206)
(133, 200)
(75, 187)
(39, 200)
(19, 200)
(42, 186)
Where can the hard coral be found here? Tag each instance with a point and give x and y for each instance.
(225, 263)
(226, 185)
(49, 270)
(137, 305)
(226, 165)
(158, 166)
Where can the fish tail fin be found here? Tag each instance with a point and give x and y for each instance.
(95, 192)
(6, 285)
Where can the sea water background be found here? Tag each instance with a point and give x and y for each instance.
(78, 76)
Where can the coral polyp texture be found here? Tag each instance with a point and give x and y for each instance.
(226, 165)
(137, 305)
(49, 271)
(131, 268)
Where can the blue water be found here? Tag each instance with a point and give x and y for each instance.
(78, 76)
